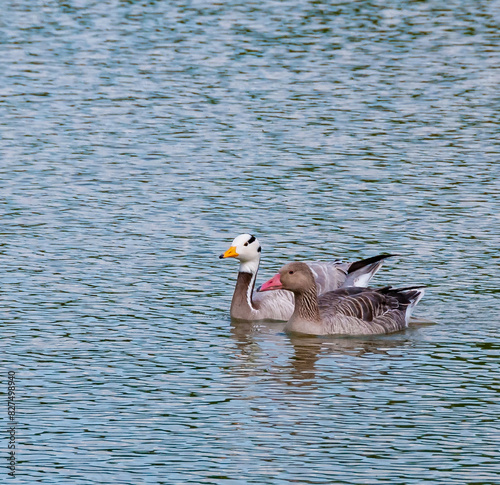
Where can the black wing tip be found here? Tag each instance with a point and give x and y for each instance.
(406, 295)
(365, 262)
(384, 289)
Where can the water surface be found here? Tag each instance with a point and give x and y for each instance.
(139, 138)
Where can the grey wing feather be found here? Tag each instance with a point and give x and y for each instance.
(328, 276)
(361, 272)
(362, 311)
(361, 303)
(333, 275)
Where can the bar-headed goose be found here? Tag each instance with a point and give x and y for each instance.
(278, 305)
(346, 311)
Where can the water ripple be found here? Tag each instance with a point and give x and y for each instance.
(139, 138)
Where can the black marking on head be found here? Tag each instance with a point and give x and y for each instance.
(259, 250)
(251, 240)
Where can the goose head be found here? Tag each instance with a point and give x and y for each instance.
(246, 249)
(296, 277)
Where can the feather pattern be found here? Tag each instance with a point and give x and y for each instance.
(347, 311)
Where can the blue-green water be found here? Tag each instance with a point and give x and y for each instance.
(139, 138)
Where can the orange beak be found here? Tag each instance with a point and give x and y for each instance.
(230, 253)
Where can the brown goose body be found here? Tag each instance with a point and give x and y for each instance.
(345, 311)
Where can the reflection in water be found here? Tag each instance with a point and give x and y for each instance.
(141, 136)
(307, 350)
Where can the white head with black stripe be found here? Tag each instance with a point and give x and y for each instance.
(246, 249)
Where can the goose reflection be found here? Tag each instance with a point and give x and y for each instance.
(307, 351)
(299, 367)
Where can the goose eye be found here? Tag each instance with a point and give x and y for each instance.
(246, 244)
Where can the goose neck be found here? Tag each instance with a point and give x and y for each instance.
(242, 305)
(251, 266)
(306, 305)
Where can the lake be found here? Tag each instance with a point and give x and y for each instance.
(138, 138)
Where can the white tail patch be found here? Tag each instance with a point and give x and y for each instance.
(420, 293)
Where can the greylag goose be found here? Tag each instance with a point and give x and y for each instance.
(346, 311)
(278, 305)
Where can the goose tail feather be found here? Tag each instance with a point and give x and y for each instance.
(408, 296)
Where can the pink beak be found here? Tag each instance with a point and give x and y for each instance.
(273, 284)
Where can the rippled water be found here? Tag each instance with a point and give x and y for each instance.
(139, 138)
